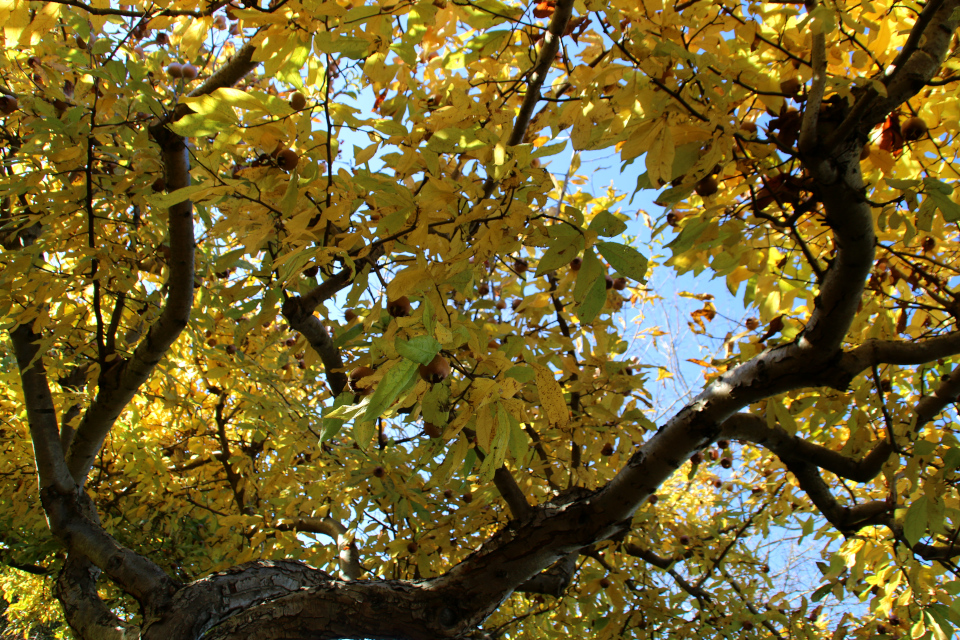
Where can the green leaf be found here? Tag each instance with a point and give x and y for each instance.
(594, 301)
(591, 270)
(562, 249)
(420, 349)
(624, 259)
(193, 125)
(607, 225)
(397, 379)
(915, 522)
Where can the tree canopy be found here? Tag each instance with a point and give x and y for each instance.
(315, 328)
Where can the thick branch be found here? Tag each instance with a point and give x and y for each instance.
(41, 412)
(120, 384)
(299, 314)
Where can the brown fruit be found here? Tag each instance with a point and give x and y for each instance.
(575, 264)
(231, 349)
(609, 282)
(501, 304)
(159, 184)
(81, 43)
(290, 342)
(298, 101)
(301, 364)
(378, 472)
(190, 72)
(653, 499)
(399, 308)
(913, 129)
(723, 444)
(287, 159)
(162, 39)
(431, 430)
(752, 324)
(483, 289)
(515, 303)
(467, 497)
(604, 583)
(447, 493)
(8, 104)
(707, 187)
(684, 539)
(607, 449)
(726, 462)
(349, 315)
(620, 283)
(412, 547)
(311, 271)
(175, 70)
(356, 376)
(220, 22)
(436, 371)
(717, 483)
(520, 265)
(791, 87)
(696, 458)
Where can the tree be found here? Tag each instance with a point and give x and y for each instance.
(234, 323)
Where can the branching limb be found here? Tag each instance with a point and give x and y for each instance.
(667, 565)
(350, 568)
(86, 613)
(753, 428)
(876, 352)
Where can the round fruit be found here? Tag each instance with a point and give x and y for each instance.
(520, 265)
(913, 129)
(297, 101)
(515, 303)
(412, 547)
(311, 271)
(349, 315)
(431, 430)
(399, 308)
(159, 184)
(447, 493)
(696, 458)
(726, 462)
(609, 282)
(467, 497)
(356, 376)
(575, 264)
(290, 342)
(604, 583)
(723, 444)
(190, 72)
(684, 540)
(501, 305)
(483, 289)
(607, 450)
(8, 104)
(752, 323)
(379, 472)
(436, 371)
(231, 349)
(620, 283)
(653, 499)
(707, 187)
(287, 159)
(162, 39)
(175, 70)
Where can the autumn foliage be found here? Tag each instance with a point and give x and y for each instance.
(315, 325)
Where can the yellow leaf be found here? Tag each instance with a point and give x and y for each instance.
(551, 396)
